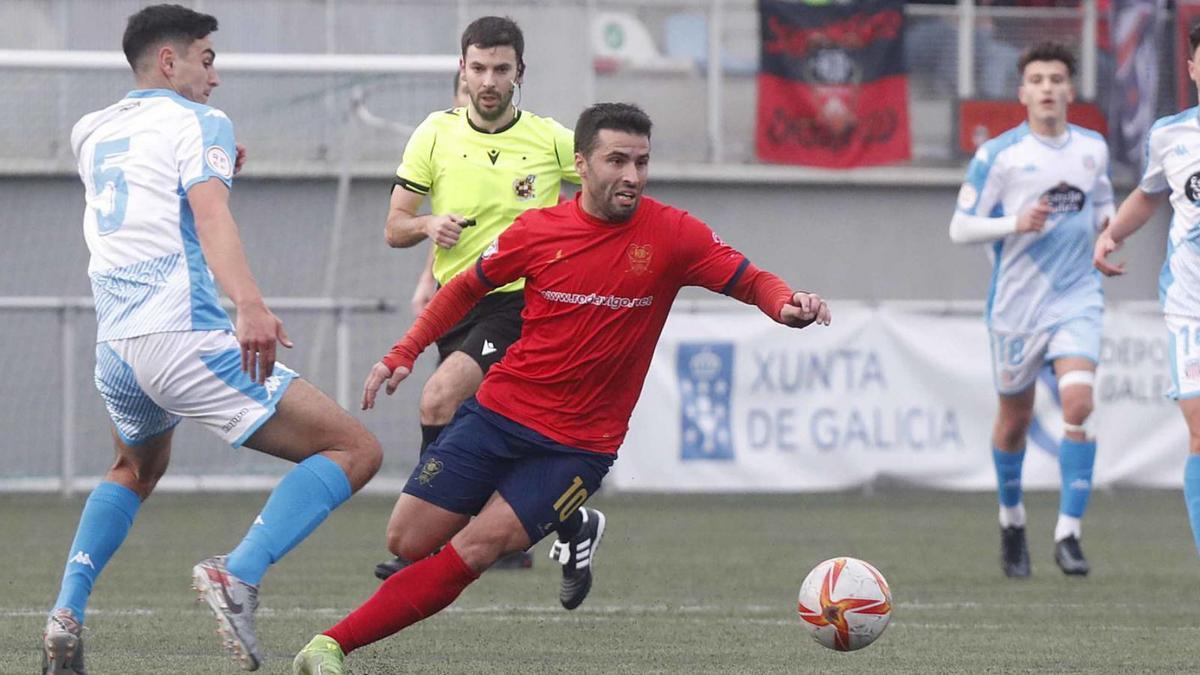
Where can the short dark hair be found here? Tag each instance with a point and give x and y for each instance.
(1047, 51)
(625, 117)
(1194, 39)
(159, 23)
(496, 31)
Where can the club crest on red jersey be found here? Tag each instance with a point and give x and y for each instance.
(639, 258)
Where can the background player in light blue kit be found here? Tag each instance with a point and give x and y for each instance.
(157, 167)
(1173, 172)
(1038, 194)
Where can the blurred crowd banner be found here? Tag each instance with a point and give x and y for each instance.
(832, 89)
(737, 403)
(1135, 77)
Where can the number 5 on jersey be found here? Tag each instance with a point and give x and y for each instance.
(108, 179)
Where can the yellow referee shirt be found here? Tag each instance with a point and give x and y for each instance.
(490, 177)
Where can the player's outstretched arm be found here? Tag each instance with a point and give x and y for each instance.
(1133, 213)
(447, 308)
(257, 328)
(405, 228)
(775, 298)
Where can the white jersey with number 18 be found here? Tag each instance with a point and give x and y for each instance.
(137, 159)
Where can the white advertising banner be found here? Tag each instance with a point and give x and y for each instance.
(734, 403)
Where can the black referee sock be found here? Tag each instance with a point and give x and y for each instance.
(571, 526)
(429, 434)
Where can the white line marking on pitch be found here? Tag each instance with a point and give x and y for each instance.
(775, 615)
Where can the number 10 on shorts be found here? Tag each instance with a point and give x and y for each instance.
(574, 497)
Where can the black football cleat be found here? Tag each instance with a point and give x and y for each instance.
(386, 569)
(576, 556)
(1014, 552)
(1069, 557)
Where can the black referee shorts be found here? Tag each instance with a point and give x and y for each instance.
(487, 331)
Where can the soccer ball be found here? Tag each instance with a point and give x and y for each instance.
(845, 603)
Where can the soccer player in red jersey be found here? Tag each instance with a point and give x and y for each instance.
(524, 455)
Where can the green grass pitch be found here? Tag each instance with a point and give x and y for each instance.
(684, 584)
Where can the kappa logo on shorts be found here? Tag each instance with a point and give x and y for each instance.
(488, 348)
(429, 471)
(705, 373)
(235, 420)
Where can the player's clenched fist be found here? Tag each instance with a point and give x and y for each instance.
(379, 374)
(1033, 219)
(803, 309)
(445, 230)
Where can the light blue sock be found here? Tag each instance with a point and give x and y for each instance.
(1008, 475)
(1075, 461)
(303, 498)
(1191, 494)
(106, 519)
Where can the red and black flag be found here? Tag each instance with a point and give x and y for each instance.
(832, 90)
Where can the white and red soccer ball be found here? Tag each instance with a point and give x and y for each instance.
(845, 603)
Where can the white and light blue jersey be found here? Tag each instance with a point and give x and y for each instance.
(1040, 279)
(137, 159)
(1173, 163)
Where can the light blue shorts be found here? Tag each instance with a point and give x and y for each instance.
(1184, 341)
(1017, 357)
(151, 382)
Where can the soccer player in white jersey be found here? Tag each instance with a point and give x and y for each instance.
(157, 167)
(1037, 195)
(1173, 173)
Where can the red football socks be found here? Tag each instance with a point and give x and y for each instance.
(418, 591)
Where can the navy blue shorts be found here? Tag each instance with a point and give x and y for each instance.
(482, 452)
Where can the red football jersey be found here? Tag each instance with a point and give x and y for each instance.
(596, 297)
